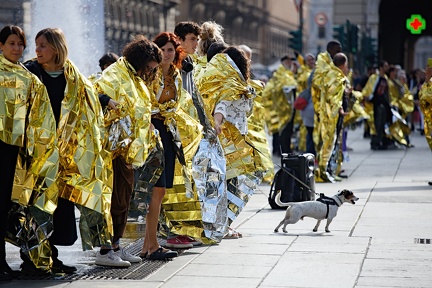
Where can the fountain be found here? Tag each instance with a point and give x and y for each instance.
(82, 22)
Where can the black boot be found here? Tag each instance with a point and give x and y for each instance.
(28, 268)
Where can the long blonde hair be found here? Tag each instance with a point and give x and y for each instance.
(57, 40)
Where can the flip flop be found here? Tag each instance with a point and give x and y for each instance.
(162, 254)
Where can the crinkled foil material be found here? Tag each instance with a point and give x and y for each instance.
(240, 190)
(209, 168)
(28, 122)
(257, 134)
(121, 83)
(85, 170)
(399, 128)
(335, 83)
(146, 177)
(238, 153)
(181, 210)
(279, 109)
(367, 91)
(221, 80)
(356, 111)
(318, 91)
(426, 107)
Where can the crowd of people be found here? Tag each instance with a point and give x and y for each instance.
(176, 129)
(312, 104)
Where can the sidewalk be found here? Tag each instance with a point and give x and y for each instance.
(371, 243)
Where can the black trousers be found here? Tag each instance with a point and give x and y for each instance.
(285, 137)
(9, 156)
(381, 115)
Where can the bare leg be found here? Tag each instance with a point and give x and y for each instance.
(150, 240)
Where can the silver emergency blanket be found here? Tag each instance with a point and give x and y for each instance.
(209, 174)
(240, 189)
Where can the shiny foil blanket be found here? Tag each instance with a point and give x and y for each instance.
(204, 216)
(279, 108)
(401, 98)
(221, 80)
(27, 121)
(182, 210)
(356, 111)
(329, 105)
(240, 190)
(85, 170)
(367, 91)
(426, 107)
(146, 177)
(257, 134)
(323, 64)
(121, 83)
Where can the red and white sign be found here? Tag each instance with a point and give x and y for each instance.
(321, 19)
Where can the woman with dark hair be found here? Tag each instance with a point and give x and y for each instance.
(224, 86)
(23, 133)
(174, 116)
(84, 176)
(126, 82)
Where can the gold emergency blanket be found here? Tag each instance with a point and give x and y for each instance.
(181, 208)
(27, 121)
(367, 92)
(221, 80)
(85, 171)
(356, 112)
(426, 107)
(122, 84)
(257, 134)
(399, 128)
(318, 91)
(278, 103)
(333, 86)
(199, 64)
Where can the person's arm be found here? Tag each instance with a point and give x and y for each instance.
(105, 100)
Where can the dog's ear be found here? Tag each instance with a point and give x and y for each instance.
(345, 192)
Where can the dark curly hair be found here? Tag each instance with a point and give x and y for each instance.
(141, 51)
(240, 59)
(186, 27)
(163, 38)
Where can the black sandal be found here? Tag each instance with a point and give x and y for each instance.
(143, 256)
(160, 254)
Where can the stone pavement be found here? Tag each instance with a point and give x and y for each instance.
(371, 243)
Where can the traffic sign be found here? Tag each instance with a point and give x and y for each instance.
(416, 24)
(321, 19)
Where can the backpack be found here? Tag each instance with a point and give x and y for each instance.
(283, 182)
(305, 96)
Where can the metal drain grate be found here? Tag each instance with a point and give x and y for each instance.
(137, 271)
(422, 241)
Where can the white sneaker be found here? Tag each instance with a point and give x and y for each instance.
(126, 256)
(111, 259)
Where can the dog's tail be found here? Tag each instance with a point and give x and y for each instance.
(280, 203)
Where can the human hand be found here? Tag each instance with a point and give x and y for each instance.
(218, 119)
(113, 104)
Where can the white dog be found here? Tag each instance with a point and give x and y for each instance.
(323, 208)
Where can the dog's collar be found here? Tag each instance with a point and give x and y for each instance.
(341, 202)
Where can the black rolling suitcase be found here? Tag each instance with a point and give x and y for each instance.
(301, 166)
